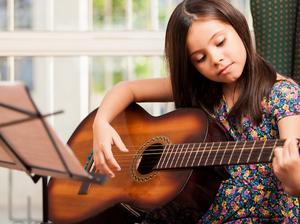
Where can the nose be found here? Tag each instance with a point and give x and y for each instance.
(217, 56)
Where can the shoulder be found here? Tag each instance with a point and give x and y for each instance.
(284, 87)
(284, 98)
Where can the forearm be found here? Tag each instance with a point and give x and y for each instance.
(115, 101)
(126, 92)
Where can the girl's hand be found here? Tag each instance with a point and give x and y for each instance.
(286, 165)
(104, 136)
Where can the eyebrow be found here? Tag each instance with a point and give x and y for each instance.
(212, 37)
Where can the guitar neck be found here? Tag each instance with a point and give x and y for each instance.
(192, 155)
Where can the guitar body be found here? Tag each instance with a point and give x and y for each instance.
(162, 194)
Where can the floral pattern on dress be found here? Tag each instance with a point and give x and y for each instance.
(253, 194)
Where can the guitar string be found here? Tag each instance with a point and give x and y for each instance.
(208, 145)
(271, 141)
(124, 158)
(160, 151)
(123, 162)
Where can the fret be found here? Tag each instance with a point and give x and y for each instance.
(175, 156)
(197, 151)
(178, 154)
(257, 150)
(216, 153)
(191, 152)
(262, 149)
(184, 154)
(212, 145)
(180, 158)
(272, 151)
(246, 151)
(220, 153)
(170, 155)
(236, 152)
(266, 154)
(233, 151)
(221, 161)
(203, 151)
(228, 152)
(238, 162)
(251, 150)
(163, 157)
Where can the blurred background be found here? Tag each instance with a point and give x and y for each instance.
(69, 53)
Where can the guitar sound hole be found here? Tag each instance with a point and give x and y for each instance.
(150, 158)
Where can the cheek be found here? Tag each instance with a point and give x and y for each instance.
(199, 68)
(205, 69)
(241, 51)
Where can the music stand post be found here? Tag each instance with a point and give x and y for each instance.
(16, 152)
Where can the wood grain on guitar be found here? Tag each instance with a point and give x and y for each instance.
(173, 167)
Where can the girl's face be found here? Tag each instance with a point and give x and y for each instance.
(216, 50)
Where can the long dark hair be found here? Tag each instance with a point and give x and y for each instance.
(190, 88)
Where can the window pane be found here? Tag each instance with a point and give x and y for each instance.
(23, 71)
(54, 84)
(165, 9)
(107, 71)
(67, 92)
(66, 14)
(57, 15)
(112, 14)
(141, 15)
(143, 67)
(109, 14)
(3, 15)
(23, 14)
(3, 69)
(32, 71)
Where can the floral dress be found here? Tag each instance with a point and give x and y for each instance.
(253, 194)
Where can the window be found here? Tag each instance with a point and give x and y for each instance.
(69, 52)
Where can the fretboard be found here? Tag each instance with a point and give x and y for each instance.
(217, 153)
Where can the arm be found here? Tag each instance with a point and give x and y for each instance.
(115, 101)
(286, 161)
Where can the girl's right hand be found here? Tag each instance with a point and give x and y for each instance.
(104, 136)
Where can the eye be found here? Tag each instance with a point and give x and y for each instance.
(202, 59)
(221, 43)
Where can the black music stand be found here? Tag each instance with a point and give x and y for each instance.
(29, 144)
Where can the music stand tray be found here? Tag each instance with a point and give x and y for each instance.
(29, 144)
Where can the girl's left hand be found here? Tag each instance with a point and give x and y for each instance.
(286, 166)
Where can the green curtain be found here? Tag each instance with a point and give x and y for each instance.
(277, 34)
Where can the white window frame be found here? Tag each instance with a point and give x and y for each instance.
(126, 43)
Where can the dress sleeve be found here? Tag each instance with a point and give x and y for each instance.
(284, 99)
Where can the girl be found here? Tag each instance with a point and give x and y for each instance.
(213, 64)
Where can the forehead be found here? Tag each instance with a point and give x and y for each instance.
(201, 31)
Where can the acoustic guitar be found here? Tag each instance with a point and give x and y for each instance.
(171, 173)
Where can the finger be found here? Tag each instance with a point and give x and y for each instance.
(278, 155)
(285, 151)
(100, 161)
(104, 167)
(275, 162)
(293, 148)
(119, 143)
(107, 152)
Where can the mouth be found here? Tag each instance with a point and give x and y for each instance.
(225, 70)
